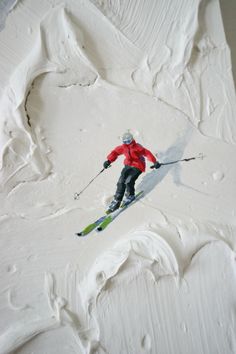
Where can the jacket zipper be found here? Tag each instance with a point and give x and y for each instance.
(129, 152)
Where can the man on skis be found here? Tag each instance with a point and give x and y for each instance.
(134, 165)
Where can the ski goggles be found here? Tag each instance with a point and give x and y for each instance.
(127, 141)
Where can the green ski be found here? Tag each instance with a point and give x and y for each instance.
(91, 227)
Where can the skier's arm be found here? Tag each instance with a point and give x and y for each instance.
(113, 156)
(115, 153)
(151, 158)
(149, 155)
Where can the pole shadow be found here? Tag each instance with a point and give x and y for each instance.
(173, 153)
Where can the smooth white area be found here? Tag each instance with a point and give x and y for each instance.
(75, 75)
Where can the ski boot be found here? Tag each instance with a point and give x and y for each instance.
(127, 200)
(115, 204)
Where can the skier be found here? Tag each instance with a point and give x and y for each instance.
(134, 165)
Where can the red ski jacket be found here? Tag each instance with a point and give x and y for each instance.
(134, 155)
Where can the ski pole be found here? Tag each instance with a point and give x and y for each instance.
(199, 156)
(76, 195)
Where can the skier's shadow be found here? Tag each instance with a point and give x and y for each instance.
(175, 152)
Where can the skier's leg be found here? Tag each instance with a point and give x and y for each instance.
(121, 185)
(120, 191)
(130, 181)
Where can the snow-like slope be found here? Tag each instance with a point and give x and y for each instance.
(160, 279)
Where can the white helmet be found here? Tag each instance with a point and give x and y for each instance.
(127, 138)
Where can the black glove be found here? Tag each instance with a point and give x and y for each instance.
(156, 165)
(106, 164)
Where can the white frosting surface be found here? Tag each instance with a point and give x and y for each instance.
(74, 76)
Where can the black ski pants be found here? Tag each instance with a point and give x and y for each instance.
(126, 182)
